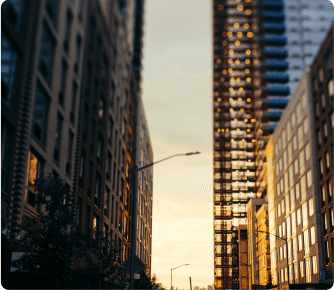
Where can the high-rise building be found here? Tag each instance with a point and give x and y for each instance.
(322, 104)
(307, 23)
(71, 107)
(294, 214)
(249, 95)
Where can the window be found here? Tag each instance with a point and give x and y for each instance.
(304, 213)
(320, 74)
(46, 54)
(114, 176)
(329, 190)
(51, 7)
(324, 218)
(278, 189)
(110, 131)
(306, 125)
(92, 137)
(327, 253)
(85, 123)
(280, 164)
(298, 216)
(292, 198)
(324, 128)
(97, 197)
(74, 96)
(314, 265)
(290, 156)
(279, 143)
(9, 58)
(307, 151)
(295, 266)
(323, 195)
(285, 160)
(101, 110)
(317, 110)
(69, 156)
(312, 235)
(79, 213)
(294, 142)
(301, 269)
(90, 182)
(99, 150)
(277, 169)
(300, 242)
(286, 182)
(68, 30)
(63, 83)
(301, 162)
(309, 178)
(300, 136)
(284, 138)
(283, 230)
(287, 204)
(56, 151)
(107, 202)
(330, 89)
(288, 130)
(296, 166)
(6, 145)
(87, 218)
(282, 206)
(311, 206)
(293, 223)
(303, 187)
(77, 55)
(327, 161)
(321, 170)
(323, 101)
(319, 138)
(308, 269)
(40, 116)
(282, 185)
(299, 113)
(297, 190)
(34, 171)
(95, 226)
(82, 169)
(108, 174)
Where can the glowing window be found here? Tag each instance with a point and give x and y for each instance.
(229, 34)
(232, 79)
(250, 34)
(222, 79)
(240, 7)
(224, 34)
(230, 61)
(248, 52)
(241, 110)
(224, 42)
(248, 100)
(231, 89)
(246, 120)
(237, 43)
(219, 99)
(230, 99)
(225, 51)
(239, 99)
(227, 130)
(231, 51)
(247, 71)
(238, 128)
(254, 25)
(224, 71)
(218, 130)
(248, 0)
(241, 89)
(235, 120)
(238, 79)
(237, 61)
(239, 34)
(218, 110)
(248, 130)
(248, 80)
(248, 12)
(219, 60)
(254, 51)
(230, 70)
(256, 61)
(236, 25)
(246, 25)
(247, 61)
(220, 7)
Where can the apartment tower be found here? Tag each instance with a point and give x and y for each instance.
(249, 94)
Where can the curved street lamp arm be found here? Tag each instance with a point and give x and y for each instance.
(180, 266)
(191, 153)
(271, 234)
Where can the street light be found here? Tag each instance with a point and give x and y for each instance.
(134, 211)
(171, 281)
(287, 250)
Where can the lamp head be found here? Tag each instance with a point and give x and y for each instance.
(192, 153)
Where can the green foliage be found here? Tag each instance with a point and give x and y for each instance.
(59, 257)
(146, 281)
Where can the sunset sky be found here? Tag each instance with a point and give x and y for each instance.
(177, 98)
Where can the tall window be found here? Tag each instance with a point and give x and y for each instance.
(34, 171)
(308, 269)
(329, 190)
(56, 151)
(63, 83)
(101, 110)
(97, 197)
(312, 235)
(324, 128)
(5, 154)
(68, 30)
(107, 202)
(77, 54)
(51, 7)
(74, 96)
(46, 54)
(40, 117)
(99, 150)
(327, 161)
(82, 169)
(114, 176)
(301, 269)
(9, 57)
(321, 168)
(69, 156)
(319, 138)
(96, 226)
(330, 89)
(323, 195)
(85, 123)
(108, 174)
(310, 206)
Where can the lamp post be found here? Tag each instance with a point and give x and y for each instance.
(134, 211)
(287, 250)
(171, 273)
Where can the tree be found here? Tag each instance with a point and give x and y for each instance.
(58, 256)
(146, 281)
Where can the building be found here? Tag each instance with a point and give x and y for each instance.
(250, 93)
(244, 266)
(294, 216)
(71, 107)
(322, 103)
(307, 23)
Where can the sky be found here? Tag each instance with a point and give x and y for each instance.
(177, 94)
